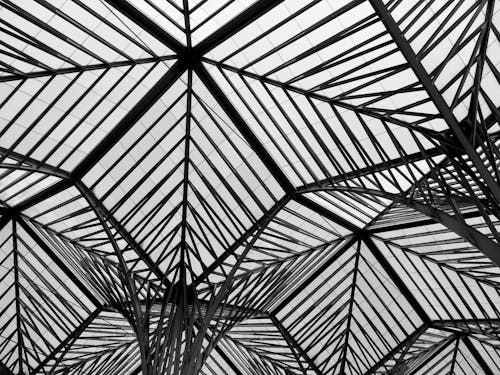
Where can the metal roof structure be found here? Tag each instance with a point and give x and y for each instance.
(246, 187)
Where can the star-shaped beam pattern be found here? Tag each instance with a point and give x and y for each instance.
(249, 187)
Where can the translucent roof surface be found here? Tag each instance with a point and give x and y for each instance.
(249, 187)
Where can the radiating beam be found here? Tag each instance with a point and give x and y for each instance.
(329, 214)
(68, 341)
(424, 358)
(229, 362)
(408, 341)
(400, 284)
(32, 165)
(272, 212)
(62, 265)
(338, 103)
(239, 22)
(84, 68)
(324, 266)
(479, 359)
(43, 195)
(291, 340)
(128, 121)
(96, 204)
(244, 129)
(453, 322)
(143, 21)
(484, 244)
(392, 163)
(434, 94)
(414, 224)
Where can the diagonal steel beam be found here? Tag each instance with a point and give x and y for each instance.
(146, 23)
(484, 244)
(338, 103)
(393, 163)
(30, 164)
(67, 342)
(229, 362)
(97, 205)
(58, 261)
(244, 129)
(126, 123)
(434, 94)
(400, 284)
(324, 266)
(414, 224)
(329, 214)
(442, 323)
(291, 340)
(236, 24)
(85, 68)
(406, 342)
(272, 212)
(477, 356)
(42, 195)
(416, 364)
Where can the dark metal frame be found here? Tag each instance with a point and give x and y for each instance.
(470, 151)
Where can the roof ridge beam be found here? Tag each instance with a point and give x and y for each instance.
(236, 24)
(128, 121)
(139, 18)
(87, 68)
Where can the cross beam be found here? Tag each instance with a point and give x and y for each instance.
(435, 96)
(484, 244)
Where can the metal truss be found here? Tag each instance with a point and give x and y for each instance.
(306, 188)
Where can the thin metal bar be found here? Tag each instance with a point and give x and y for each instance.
(477, 356)
(147, 24)
(397, 280)
(435, 96)
(126, 123)
(46, 248)
(246, 17)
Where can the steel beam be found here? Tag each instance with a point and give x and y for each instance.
(226, 359)
(42, 195)
(423, 359)
(415, 224)
(289, 338)
(272, 212)
(479, 359)
(338, 103)
(97, 205)
(58, 261)
(408, 341)
(453, 322)
(67, 342)
(306, 202)
(487, 246)
(128, 121)
(32, 165)
(435, 96)
(146, 23)
(85, 68)
(245, 18)
(397, 280)
(244, 129)
(338, 253)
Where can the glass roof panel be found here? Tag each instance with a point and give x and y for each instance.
(246, 187)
